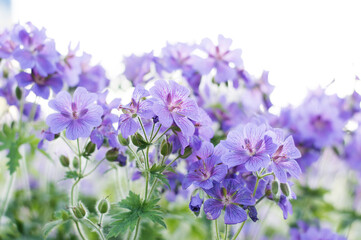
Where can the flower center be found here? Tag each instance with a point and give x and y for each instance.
(39, 79)
(226, 200)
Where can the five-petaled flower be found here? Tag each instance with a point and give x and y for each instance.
(229, 195)
(78, 115)
(172, 104)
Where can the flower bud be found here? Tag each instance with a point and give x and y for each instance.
(138, 140)
(155, 119)
(90, 148)
(285, 189)
(274, 187)
(187, 152)
(75, 162)
(112, 154)
(121, 160)
(166, 148)
(79, 211)
(253, 213)
(64, 161)
(195, 204)
(123, 141)
(18, 93)
(103, 206)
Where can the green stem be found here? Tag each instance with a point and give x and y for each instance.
(7, 195)
(101, 220)
(156, 133)
(169, 164)
(151, 133)
(226, 232)
(160, 137)
(96, 166)
(217, 230)
(72, 191)
(256, 186)
(141, 124)
(156, 181)
(238, 231)
(67, 143)
(136, 157)
(96, 228)
(136, 229)
(259, 200)
(79, 231)
(79, 155)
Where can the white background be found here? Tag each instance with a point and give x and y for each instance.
(303, 44)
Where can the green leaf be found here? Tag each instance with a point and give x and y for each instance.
(50, 226)
(137, 209)
(71, 174)
(14, 157)
(156, 173)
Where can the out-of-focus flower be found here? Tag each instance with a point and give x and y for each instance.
(35, 50)
(40, 85)
(219, 57)
(136, 67)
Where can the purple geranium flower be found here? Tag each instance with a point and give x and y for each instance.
(229, 195)
(7, 45)
(248, 145)
(137, 107)
(40, 85)
(220, 58)
(196, 203)
(93, 78)
(35, 50)
(78, 115)
(173, 105)
(107, 130)
(136, 67)
(203, 172)
(283, 159)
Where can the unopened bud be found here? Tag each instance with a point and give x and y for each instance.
(103, 206)
(75, 162)
(187, 152)
(90, 148)
(79, 211)
(18, 93)
(121, 160)
(253, 213)
(123, 141)
(285, 189)
(138, 140)
(112, 154)
(274, 187)
(166, 148)
(64, 161)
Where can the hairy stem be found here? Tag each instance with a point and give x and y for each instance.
(136, 229)
(226, 232)
(96, 228)
(5, 200)
(238, 231)
(79, 231)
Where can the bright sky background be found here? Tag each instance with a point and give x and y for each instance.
(302, 43)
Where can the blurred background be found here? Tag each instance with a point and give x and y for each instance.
(303, 45)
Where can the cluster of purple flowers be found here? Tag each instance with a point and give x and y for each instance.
(236, 153)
